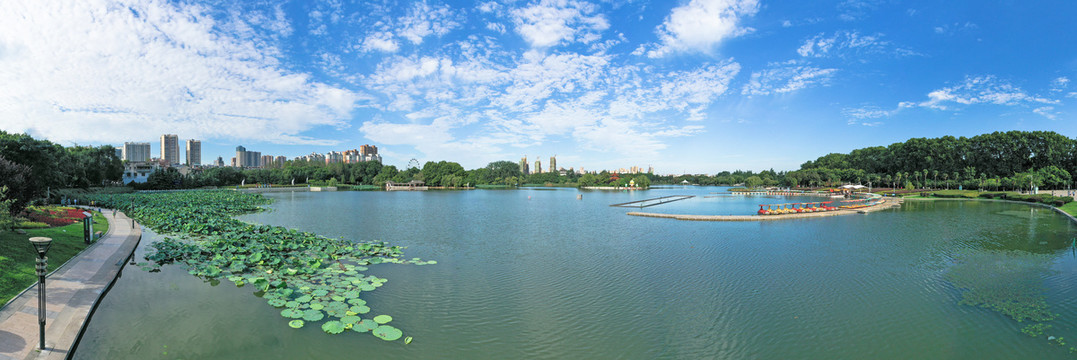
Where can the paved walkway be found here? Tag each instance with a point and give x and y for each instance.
(72, 292)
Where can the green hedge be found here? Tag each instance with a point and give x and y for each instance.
(973, 194)
(1041, 198)
(965, 194)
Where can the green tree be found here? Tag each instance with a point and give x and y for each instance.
(7, 220)
(753, 182)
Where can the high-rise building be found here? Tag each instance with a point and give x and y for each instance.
(170, 149)
(241, 157)
(538, 166)
(247, 159)
(368, 150)
(220, 161)
(194, 152)
(553, 163)
(279, 160)
(254, 158)
(136, 151)
(267, 161)
(334, 157)
(352, 156)
(119, 153)
(524, 167)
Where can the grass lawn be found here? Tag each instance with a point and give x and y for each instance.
(1070, 208)
(17, 255)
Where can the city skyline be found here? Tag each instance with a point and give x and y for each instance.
(696, 86)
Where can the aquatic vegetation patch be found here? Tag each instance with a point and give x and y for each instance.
(1010, 282)
(311, 277)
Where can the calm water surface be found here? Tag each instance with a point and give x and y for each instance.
(536, 273)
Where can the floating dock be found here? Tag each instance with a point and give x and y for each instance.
(654, 201)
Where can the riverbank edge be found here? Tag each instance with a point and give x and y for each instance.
(886, 204)
(1056, 209)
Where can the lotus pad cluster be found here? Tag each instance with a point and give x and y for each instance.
(310, 277)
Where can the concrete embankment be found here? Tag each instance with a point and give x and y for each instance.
(277, 189)
(885, 204)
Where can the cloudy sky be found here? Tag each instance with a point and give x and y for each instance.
(693, 86)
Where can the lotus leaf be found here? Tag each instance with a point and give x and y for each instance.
(407, 340)
(351, 319)
(333, 327)
(291, 313)
(290, 268)
(387, 333)
(313, 315)
(365, 325)
(295, 324)
(382, 319)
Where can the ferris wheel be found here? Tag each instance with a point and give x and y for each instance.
(413, 164)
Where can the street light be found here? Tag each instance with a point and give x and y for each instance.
(41, 245)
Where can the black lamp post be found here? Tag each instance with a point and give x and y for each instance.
(41, 245)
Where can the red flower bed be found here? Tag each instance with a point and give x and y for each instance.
(55, 216)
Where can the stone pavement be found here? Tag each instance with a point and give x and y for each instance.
(71, 294)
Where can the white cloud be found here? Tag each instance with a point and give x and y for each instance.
(950, 29)
(699, 26)
(553, 22)
(844, 44)
(853, 10)
(380, 41)
(420, 21)
(538, 95)
(424, 20)
(1047, 112)
(861, 115)
(869, 112)
(101, 71)
(1059, 84)
(790, 76)
(981, 90)
(496, 27)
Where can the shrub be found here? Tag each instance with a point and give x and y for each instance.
(31, 225)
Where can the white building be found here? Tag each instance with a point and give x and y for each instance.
(136, 151)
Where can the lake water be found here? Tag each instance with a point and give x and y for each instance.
(536, 273)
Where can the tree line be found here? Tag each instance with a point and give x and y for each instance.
(1011, 160)
(997, 161)
(30, 168)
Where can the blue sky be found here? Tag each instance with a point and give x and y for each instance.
(693, 86)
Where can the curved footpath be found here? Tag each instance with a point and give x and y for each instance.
(885, 204)
(72, 294)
